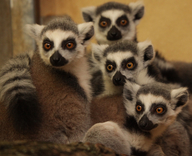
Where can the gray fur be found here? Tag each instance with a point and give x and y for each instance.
(160, 89)
(16, 70)
(18, 94)
(65, 23)
(108, 134)
(122, 46)
(112, 5)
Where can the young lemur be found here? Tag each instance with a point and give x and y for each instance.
(152, 110)
(124, 60)
(114, 21)
(47, 97)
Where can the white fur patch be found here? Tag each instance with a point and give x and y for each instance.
(57, 36)
(118, 57)
(149, 99)
(142, 77)
(80, 68)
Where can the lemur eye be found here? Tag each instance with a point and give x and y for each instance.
(69, 45)
(159, 110)
(47, 46)
(110, 67)
(123, 22)
(129, 65)
(139, 108)
(103, 24)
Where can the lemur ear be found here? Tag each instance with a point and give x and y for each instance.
(179, 97)
(98, 51)
(86, 31)
(89, 13)
(34, 30)
(137, 11)
(130, 90)
(146, 52)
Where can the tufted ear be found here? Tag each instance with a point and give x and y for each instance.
(130, 90)
(137, 11)
(34, 30)
(180, 98)
(98, 51)
(146, 52)
(89, 13)
(86, 31)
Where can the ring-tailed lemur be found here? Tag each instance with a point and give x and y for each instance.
(60, 79)
(114, 21)
(124, 60)
(152, 110)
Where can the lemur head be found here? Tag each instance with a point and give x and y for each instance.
(61, 40)
(114, 21)
(154, 106)
(123, 60)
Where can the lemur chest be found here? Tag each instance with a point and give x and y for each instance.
(55, 88)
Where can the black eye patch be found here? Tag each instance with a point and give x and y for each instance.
(104, 19)
(158, 108)
(122, 21)
(139, 107)
(110, 64)
(125, 63)
(47, 44)
(69, 44)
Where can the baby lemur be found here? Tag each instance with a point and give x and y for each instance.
(47, 97)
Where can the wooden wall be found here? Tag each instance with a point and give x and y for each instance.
(167, 23)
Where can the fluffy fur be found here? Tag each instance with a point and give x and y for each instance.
(175, 71)
(59, 76)
(113, 13)
(18, 93)
(118, 55)
(144, 129)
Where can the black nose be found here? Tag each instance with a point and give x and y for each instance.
(114, 34)
(58, 60)
(118, 79)
(145, 124)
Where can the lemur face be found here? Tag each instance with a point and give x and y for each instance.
(61, 40)
(154, 105)
(114, 21)
(123, 60)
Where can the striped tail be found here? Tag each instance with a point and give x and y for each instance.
(18, 94)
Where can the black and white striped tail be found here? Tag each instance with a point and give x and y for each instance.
(18, 94)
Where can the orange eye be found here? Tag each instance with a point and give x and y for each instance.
(130, 65)
(69, 45)
(139, 108)
(110, 67)
(123, 22)
(159, 110)
(47, 46)
(103, 23)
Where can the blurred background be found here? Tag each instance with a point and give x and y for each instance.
(167, 23)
